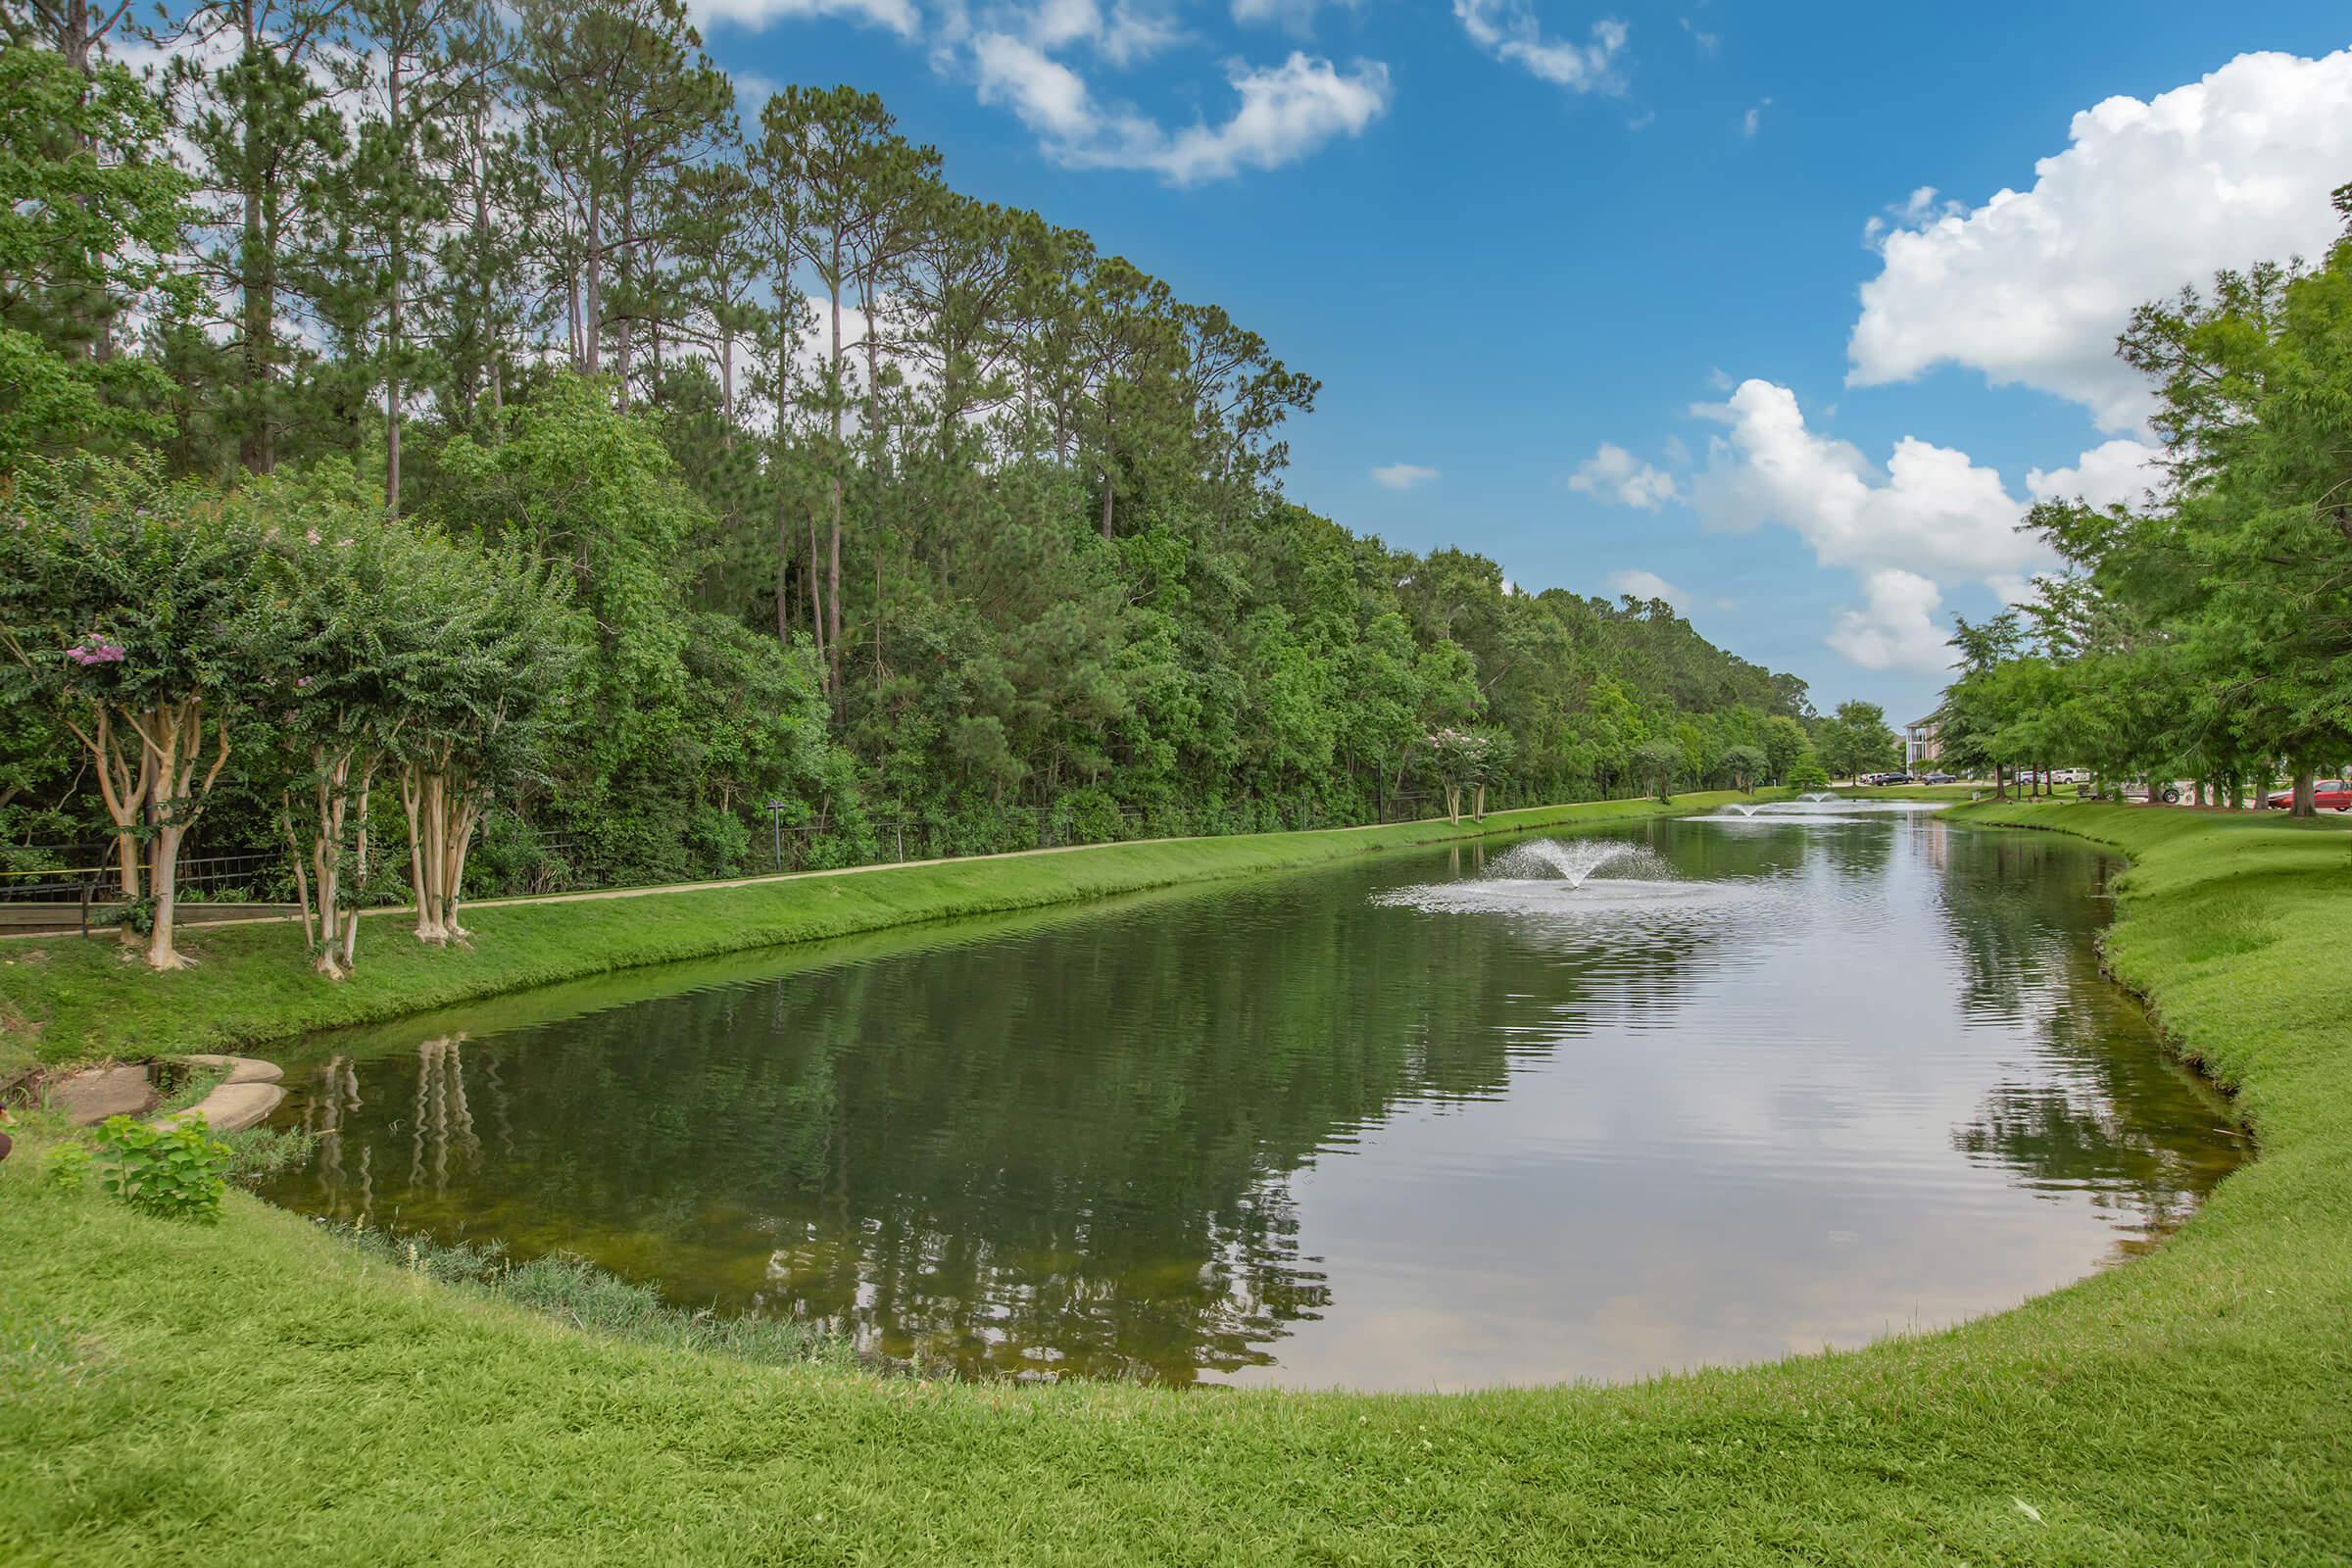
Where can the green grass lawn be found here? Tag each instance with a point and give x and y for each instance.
(261, 1393)
(74, 998)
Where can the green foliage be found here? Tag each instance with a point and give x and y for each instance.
(1856, 741)
(1807, 774)
(1660, 760)
(1745, 763)
(580, 1296)
(90, 219)
(175, 1174)
(258, 1152)
(121, 592)
(630, 565)
(2208, 631)
(67, 1165)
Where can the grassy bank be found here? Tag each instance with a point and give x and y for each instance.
(74, 998)
(261, 1393)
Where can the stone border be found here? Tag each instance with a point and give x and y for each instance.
(246, 1095)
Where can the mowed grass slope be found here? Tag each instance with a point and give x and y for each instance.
(259, 1394)
(71, 999)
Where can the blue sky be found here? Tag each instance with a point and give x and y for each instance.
(1753, 250)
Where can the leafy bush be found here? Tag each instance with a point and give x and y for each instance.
(67, 1164)
(720, 841)
(178, 1174)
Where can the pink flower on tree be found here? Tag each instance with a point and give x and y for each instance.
(95, 648)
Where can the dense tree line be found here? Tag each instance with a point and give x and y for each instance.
(520, 441)
(2206, 633)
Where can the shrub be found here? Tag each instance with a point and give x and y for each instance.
(67, 1164)
(178, 1174)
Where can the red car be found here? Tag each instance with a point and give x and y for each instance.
(2328, 795)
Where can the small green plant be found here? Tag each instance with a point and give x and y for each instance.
(67, 1164)
(262, 1152)
(178, 1174)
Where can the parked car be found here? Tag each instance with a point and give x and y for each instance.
(1940, 778)
(1896, 778)
(2327, 794)
(2170, 794)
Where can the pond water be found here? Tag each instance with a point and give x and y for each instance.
(1706, 1089)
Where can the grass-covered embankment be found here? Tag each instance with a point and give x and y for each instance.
(260, 1393)
(70, 998)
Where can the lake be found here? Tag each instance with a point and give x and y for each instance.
(1694, 1090)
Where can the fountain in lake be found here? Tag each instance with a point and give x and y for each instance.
(1549, 878)
(1818, 797)
(1733, 808)
(1543, 859)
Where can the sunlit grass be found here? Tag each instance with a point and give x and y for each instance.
(259, 1394)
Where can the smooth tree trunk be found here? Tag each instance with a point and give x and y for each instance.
(302, 875)
(123, 790)
(175, 733)
(2305, 804)
(442, 813)
(336, 937)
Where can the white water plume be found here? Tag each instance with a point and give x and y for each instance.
(1581, 879)
(1543, 859)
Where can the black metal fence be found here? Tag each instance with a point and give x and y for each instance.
(76, 874)
(513, 857)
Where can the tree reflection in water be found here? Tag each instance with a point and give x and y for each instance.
(1073, 1140)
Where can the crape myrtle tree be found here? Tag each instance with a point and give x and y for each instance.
(1660, 761)
(1746, 765)
(484, 707)
(1467, 759)
(389, 645)
(126, 608)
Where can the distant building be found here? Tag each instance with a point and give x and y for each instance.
(1922, 743)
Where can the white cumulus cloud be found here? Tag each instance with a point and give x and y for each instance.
(1931, 512)
(1646, 585)
(1509, 31)
(1613, 474)
(1897, 627)
(1403, 475)
(1121, 34)
(895, 15)
(2115, 472)
(1284, 112)
(2033, 286)
(1292, 15)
